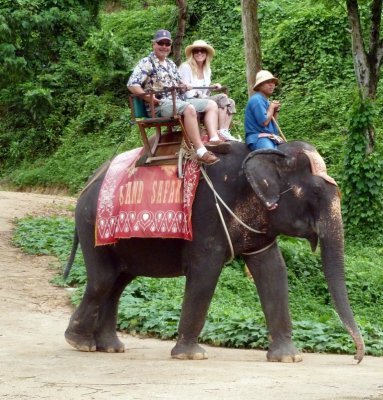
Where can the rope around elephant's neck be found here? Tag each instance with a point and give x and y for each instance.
(260, 251)
(217, 197)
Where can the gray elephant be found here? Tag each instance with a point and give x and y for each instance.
(270, 192)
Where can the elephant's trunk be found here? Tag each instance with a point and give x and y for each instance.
(332, 252)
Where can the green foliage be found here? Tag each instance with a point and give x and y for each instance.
(147, 297)
(127, 26)
(310, 46)
(77, 157)
(322, 121)
(219, 19)
(35, 32)
(44, 236)
(35, 36)
(50, 236)
(363, 175)
(74, 79)
(152, 306)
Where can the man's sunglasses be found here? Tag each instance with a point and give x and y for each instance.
(197, 50)
(164, 43)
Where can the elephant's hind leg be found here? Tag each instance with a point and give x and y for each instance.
(77, 337)
(105, 335)
(85, 323)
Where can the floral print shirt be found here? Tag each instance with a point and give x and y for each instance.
(150, 74)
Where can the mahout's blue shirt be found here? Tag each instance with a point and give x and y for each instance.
(255, 116)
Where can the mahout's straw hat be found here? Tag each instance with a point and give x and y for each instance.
(263, 76)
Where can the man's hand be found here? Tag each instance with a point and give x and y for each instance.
(185, 87)
(156, 101)
(148, 98)
(275, 105)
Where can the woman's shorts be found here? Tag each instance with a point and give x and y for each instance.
(200, 105)
(224, 102)
(165, 109)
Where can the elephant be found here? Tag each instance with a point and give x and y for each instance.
(270, 193)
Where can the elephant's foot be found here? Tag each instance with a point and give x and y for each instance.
(283, 351)
(80, 342)
(109, 344)
(188, 351)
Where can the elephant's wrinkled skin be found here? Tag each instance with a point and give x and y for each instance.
(272, 191)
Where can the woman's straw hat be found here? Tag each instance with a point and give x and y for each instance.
(199, 44)
(263, 76)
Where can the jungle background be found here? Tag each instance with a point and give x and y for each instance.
(64, 111)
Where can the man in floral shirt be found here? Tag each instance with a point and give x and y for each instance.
(157, 72)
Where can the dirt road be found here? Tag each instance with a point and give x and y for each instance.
(36, 362)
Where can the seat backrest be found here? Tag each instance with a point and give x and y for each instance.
(139, 108)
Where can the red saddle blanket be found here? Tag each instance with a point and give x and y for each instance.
(145, 202)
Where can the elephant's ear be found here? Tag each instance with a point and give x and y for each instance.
(262, 172)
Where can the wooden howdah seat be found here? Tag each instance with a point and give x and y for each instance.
(161, 136)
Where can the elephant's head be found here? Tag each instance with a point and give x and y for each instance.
(303, 201)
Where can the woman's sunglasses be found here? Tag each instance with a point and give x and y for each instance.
(164, 43)
(196, 51)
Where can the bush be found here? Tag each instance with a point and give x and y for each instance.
(363, 176)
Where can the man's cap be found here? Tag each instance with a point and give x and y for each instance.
(162, 34)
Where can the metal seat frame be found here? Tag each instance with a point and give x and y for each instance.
(169, 131)
(166, 128)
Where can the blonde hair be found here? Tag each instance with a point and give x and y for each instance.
(193, 65)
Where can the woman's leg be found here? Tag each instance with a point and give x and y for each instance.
(211, 119)
(224, 118)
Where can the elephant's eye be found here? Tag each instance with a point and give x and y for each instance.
(317, 191)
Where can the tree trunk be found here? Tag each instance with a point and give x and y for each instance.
(252, 41)
(366, 63)
(181, 26)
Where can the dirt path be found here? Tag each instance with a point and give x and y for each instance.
(36, 362)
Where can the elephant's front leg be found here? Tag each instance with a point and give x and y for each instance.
(269, 272)
(199, 290)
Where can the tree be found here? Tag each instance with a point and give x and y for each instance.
(252, 41)
(35, 34)
(35, 37)
(363, 172)
(367, 56)
(367, 63)
(181, 26)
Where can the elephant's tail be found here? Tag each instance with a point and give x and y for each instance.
(72, 254)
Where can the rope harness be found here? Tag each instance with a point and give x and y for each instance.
(218, 198)
(187, 153)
